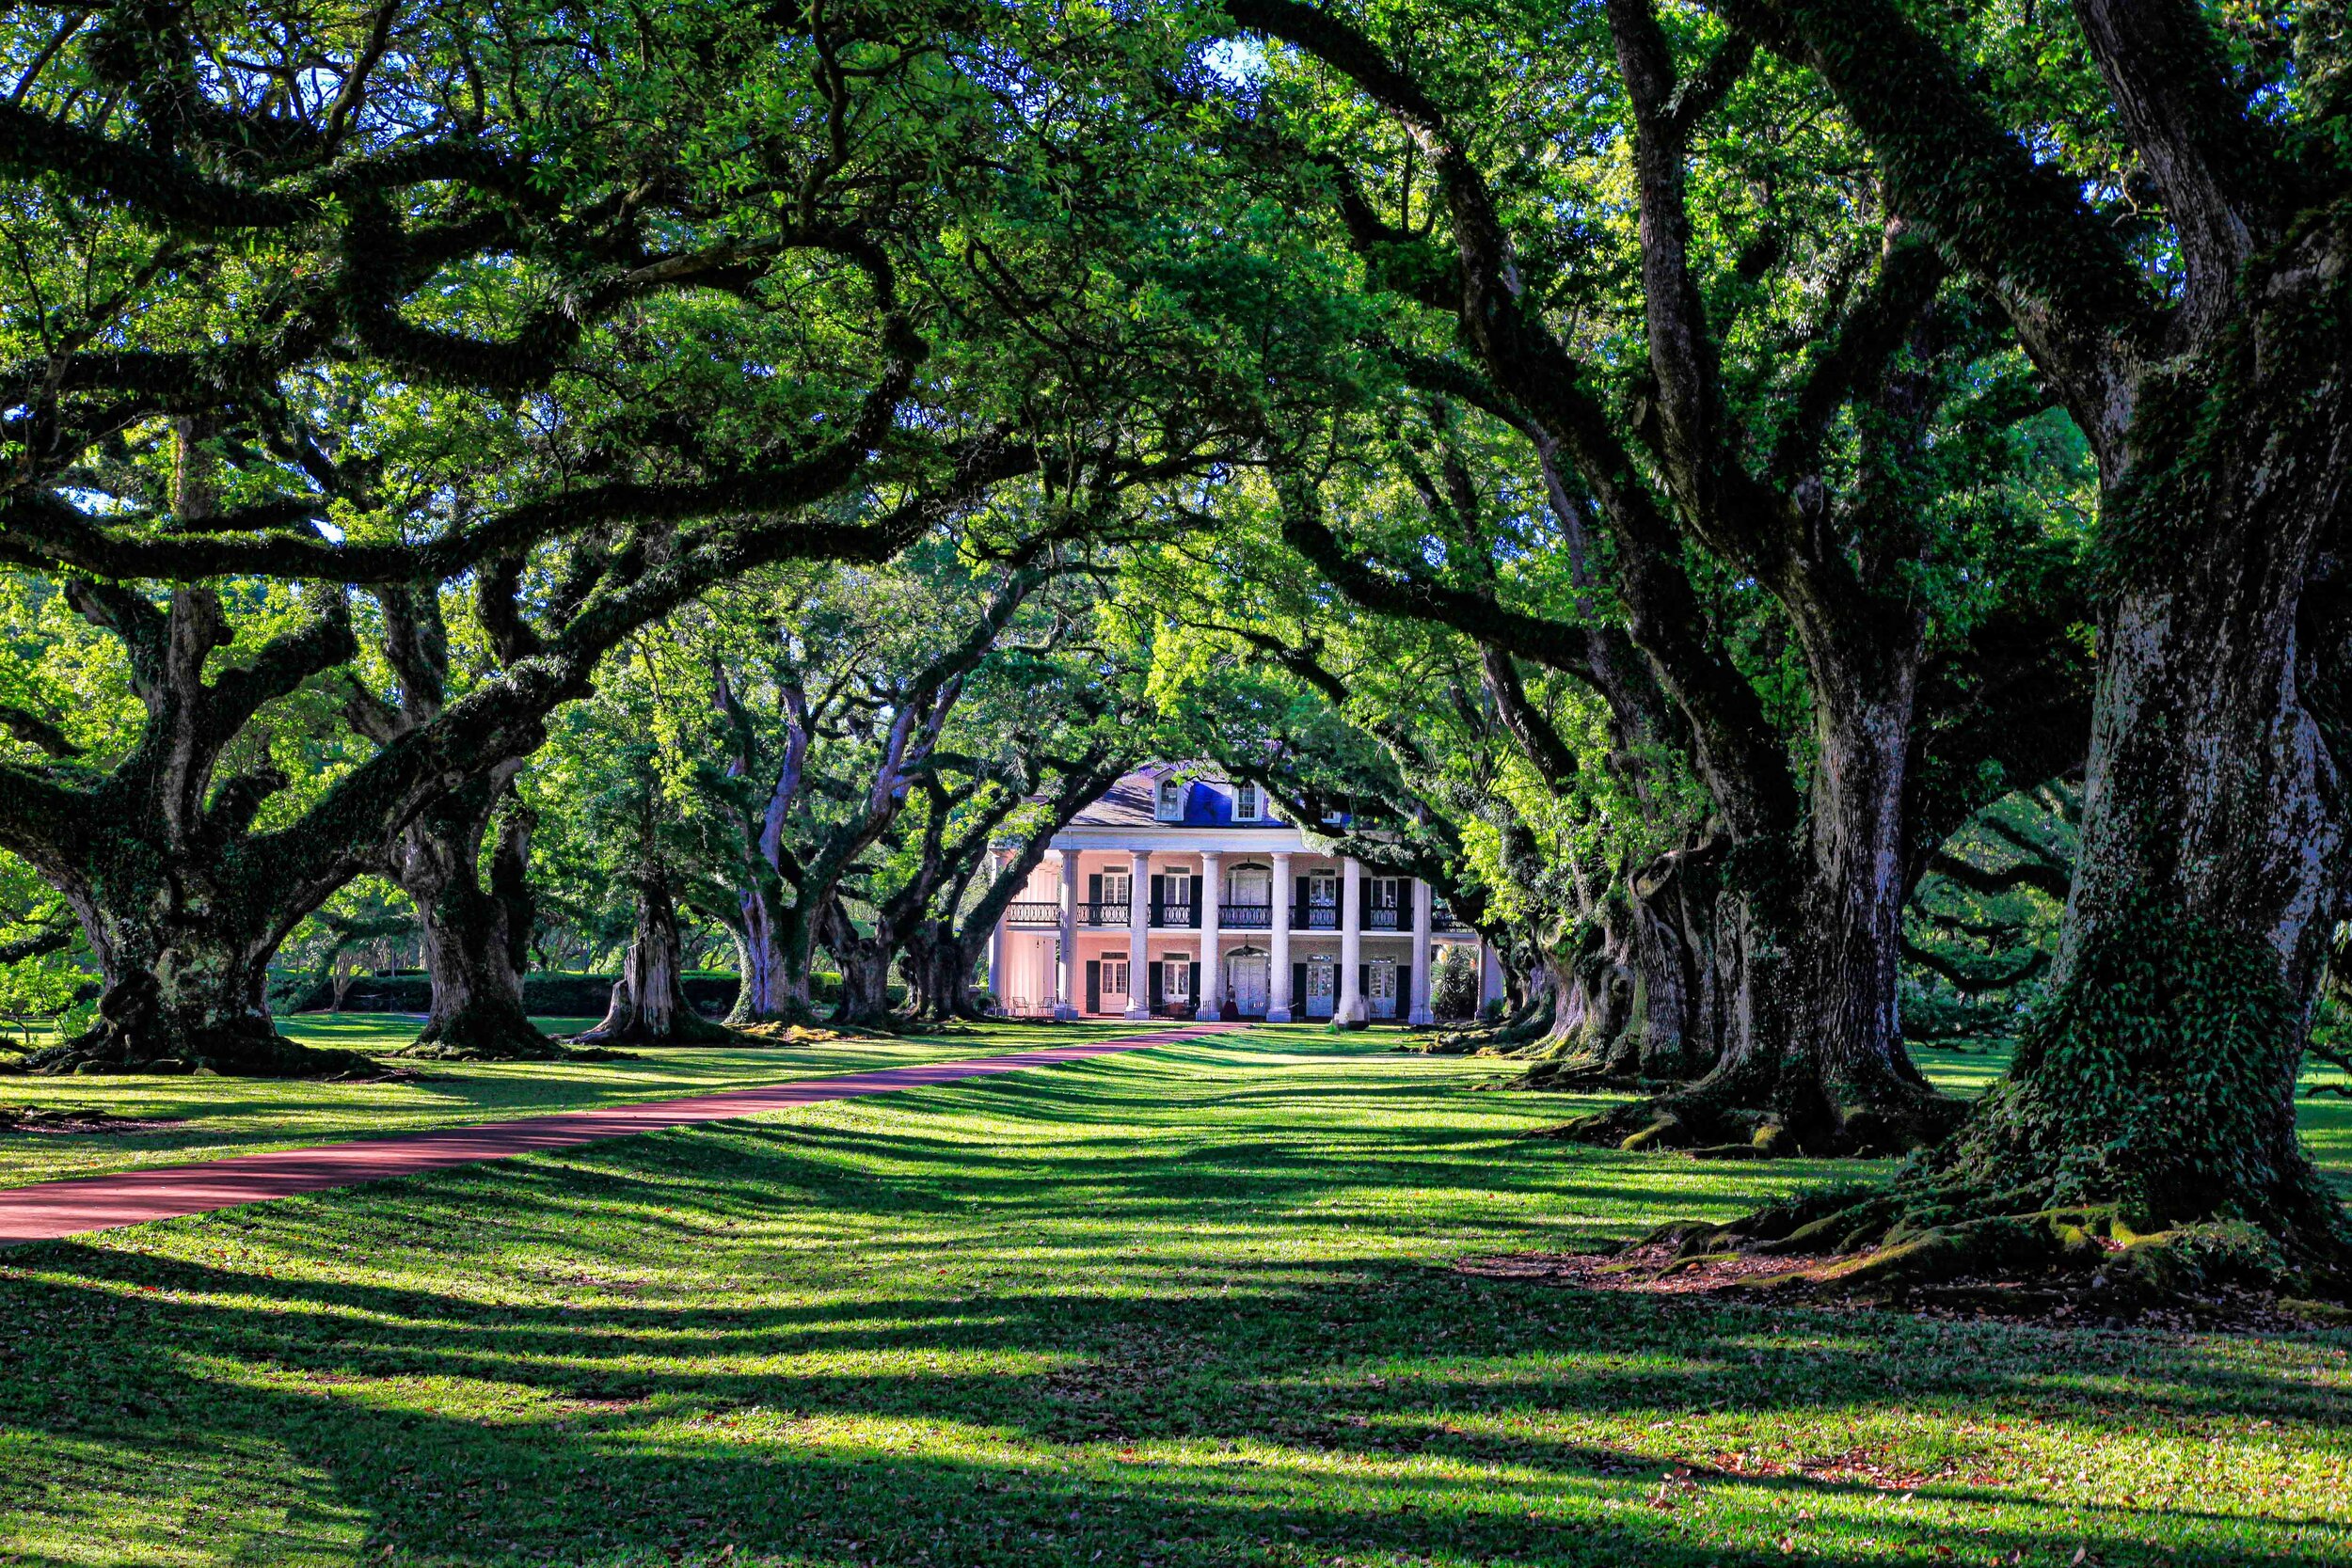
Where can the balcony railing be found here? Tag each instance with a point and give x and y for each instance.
(1230, 917)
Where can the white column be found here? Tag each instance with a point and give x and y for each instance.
(1212, 997)
(1420, 1016)
(1066, 971)
(1277, 995)
(996, 949)
(1489, 974)
(1350, 1014)
(1138, 935)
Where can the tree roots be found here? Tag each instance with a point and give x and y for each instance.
(1909, 1243)
(483, 1035)
(137, 1034)
(1708, 1128)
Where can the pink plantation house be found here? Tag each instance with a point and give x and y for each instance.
(1181, 893)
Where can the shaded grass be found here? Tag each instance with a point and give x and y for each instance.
(244, 1115)
(1186, 1307)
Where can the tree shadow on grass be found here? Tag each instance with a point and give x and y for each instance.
(1279, 1422)
(1132, 1360)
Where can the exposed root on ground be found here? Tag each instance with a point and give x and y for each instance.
(64, 1119)
(254, 1056)
(1689, 1119)
(1574, 1075)
(520, 1043)
(942, 1027)
(1656, 1268)
(1913, 1245)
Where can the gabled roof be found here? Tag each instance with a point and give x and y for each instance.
(1134, 800)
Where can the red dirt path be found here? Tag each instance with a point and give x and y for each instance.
(50, 1209)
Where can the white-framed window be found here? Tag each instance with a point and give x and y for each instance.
(1114, 977)
(1114, 887)
(1171, 806)
(1246, 801)
(1176, 980)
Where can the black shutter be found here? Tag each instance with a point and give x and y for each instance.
(1094, 984)
(1298, 990)
(1193, 985)
(1094, 888)
(1363, 987)
(1158, 1001)
(1404, 903)
(1299, 909)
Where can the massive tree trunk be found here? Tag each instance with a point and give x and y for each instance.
(469, 940)
(865, 961)
(2147, 1129)
(183, 907)
(1646, 1007)
(185, 966)
(648, 1005)
(2160, 1074)
(767, 991)
(938, 969)
(1831, 1074)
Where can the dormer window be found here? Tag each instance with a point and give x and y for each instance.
(1245, 803)
(1171, 807)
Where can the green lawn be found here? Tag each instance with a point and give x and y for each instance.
(244, 1115)
(1184, 1306)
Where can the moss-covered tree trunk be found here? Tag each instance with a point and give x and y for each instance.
(185, 968)
(2160, 1074)
(181, 905)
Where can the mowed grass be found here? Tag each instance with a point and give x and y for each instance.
(1185, 1307)
(243, 1115)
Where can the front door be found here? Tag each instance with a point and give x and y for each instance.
(1323, 977)
(1382, 990)
(1246, 983)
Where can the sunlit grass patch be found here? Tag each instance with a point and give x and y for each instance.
(218, 1117)
(1188, 1307)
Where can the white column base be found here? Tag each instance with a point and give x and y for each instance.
(1065, 1013)
(1138, 1015)
(1422, 1018)
(1207, 1013)
(1277, 1015)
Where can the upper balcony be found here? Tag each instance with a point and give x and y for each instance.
(1230, 917)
